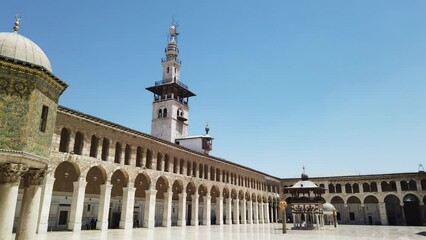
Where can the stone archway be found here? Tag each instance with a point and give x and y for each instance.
(227, 202)
(217, 205)
(161, 205)
(67, 174)
(339, 204)
(356, 215)
(191, 204)
(177, 209)
(95, 178)
(142, 184)
(412, 211)
(393, 210)
(371, 210)
(119, 181)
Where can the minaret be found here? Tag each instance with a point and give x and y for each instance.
(170, 107)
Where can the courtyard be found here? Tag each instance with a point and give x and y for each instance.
(242, 232)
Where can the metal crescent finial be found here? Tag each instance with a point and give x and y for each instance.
(17, 19)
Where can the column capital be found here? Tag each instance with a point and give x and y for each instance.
(150, 191)
(12, 172)
(34, 177)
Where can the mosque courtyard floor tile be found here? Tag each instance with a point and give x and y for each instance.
(245, 232)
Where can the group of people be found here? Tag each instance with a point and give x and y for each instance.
(91, 225)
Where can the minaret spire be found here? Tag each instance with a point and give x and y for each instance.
(16, 26)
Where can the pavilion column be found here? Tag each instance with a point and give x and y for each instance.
(236, 209)
(77, 205)
(243, 210)
(219, 211)
(103, 211)
(194, 217)
(10, 176)
(182, 209)
(126, 220)
(228, 211)
(149, 211)
(383, 214)
(207, 210)
(276, 213)
(250, 212)
(167, 212)
(46, 199)
(256, 212)
(28, 216)
(266, 207)
(261, 214)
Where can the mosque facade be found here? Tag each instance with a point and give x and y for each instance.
(62, 169)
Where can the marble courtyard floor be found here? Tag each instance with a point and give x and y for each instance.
(245, 232)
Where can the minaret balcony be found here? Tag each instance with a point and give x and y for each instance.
(170, 80)
(168, 59)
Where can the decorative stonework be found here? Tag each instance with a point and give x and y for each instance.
(34, 176)
(12, 172)
(16, 87)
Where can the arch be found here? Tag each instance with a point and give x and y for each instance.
(127, 154)
(241, 195)
(188, 168)
(175, 165)
(165, 113)
(348, 188)
(234, 193)
(159, 162)
(338, 188)
(217, 175)
(194, 169)
(177, 189)
(117, 152)
(337, 200)
(65, 140)
(78, 143)
(412, 185)
(355, 188)
(393, 210)
(105, 149)
(404, 185)
(95, 177)
(247, 196)
(94, 144)
(226, 193)
(181, 166)
(166, 163)
(370, 199)
(212, 173)
(161, 185)
(253, 197)
(366, 187)
(142, 183)
(206, 172)
(214, 193)
(373, 187)
(412, 210)
(139, 156)
(200, 170)
(65, 174)
(149, 159)
(160, 113)
(423, 183)
(119, 180)
(353, 200)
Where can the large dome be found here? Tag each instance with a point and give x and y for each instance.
(16, 46)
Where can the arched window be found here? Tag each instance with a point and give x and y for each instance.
(117, 153)
(175, 165)
(392, 185)
(200, 171)
(165, 113)
(166, 163)
(65, 140)
(159, 162)
(217, 175)
(139, 157)
(181, 166)
(373, 187)
(149, 159)
(423, 182)
(384, 186)
(206, 172)
(366, 187)
(404, 185)
(127, 154)
(355, 188)
(188, 168)
(413, 185)
(194, 169)
(160, 113)
(348, 188)
(338, 188)
(94, 146)
(168, 69)
(212, 173)
(105, 149)
(78, 144)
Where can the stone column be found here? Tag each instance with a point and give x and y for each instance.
(10, 176)
(149, 211)
(194, 217)
(383, 214)
(276, 213)
(228, 211)
(250, 212)
(182, 209)
(243, 211)
(236, 209)
(256, 212)
(126, 219)
(28, 216)
(77, 205)
(219, 211)
(46, 199)
(167, 212)
(207, 210)
(261, 214)
(103, 211)
(266, 207)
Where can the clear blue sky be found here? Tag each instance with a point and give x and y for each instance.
(337, 86)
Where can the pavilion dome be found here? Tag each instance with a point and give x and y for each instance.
(17, 47)
(328, 208)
